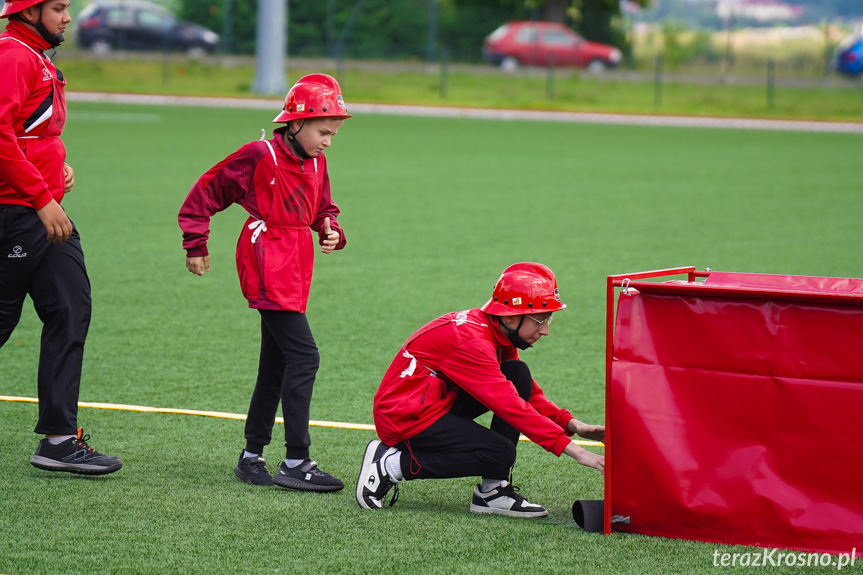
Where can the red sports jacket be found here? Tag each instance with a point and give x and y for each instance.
(285, 196)
(461, 350)
(32, 116)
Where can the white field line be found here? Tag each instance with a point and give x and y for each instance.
(220, 415)
(488, 114)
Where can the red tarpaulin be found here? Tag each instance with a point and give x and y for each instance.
(734, 411)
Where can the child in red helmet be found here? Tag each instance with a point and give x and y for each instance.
(456, 368)
(284, 185)
(40, 248)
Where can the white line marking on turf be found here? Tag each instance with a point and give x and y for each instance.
(489, 114)
(221, 415)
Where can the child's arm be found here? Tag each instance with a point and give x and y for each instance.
(228, 182)
(328, 212)
(585, 457)
(329, 237)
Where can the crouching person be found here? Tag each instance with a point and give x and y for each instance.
(456, 368)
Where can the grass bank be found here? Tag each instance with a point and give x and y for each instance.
(483, 88)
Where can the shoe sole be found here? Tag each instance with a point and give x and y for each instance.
(508, 512)
(245, 479)
(299, 485)
(46, 464)
(368, 459)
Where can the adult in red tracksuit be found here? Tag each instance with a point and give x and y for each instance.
(284, 185)
(40, 249)
(456, 368)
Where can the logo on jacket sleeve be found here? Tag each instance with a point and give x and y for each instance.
(17, 252)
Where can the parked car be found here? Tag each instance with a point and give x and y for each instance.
(137, 25)
(546, 43)
(848, 58)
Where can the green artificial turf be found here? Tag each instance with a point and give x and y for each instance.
(433, 210)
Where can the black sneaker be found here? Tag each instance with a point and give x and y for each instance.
(74, 456)
(306, 477)
(505, 500)
(253, 470)
(374, 483)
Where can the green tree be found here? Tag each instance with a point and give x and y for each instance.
(400, 29)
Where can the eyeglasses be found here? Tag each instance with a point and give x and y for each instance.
(540, 323)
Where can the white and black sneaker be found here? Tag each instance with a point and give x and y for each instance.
(505, 500)
(374, 482)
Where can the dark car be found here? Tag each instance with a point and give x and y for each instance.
(546, 43)
(848, 58)
(106, 26)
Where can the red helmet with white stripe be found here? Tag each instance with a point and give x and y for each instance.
(313, 96)
(12, 6)
(524, 288)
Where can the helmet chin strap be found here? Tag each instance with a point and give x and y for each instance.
(53, 39)
(513, 335)
(295, 145)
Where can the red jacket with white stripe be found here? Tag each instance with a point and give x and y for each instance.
(31, 153)
(461, 351)
(285, 196)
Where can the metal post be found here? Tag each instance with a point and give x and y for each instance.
(270, 47)
(166, 51)
(728, 57)
(432, 39)
(227, 27)
(549, 79)
(827, 51)
(771, 83)
(657, 83)
(444, 56)
(330, 28)
(349, 25)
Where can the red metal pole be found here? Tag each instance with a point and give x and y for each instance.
(611, 282)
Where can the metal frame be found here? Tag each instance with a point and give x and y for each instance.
(614, 281)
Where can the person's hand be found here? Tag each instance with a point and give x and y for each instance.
(592, 432)
(198, 265)
(585, 457)
(69, 174)
(56, 222)
(331, 238)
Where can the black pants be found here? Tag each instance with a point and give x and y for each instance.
(286, 371)
(55, 277)
(457, 446)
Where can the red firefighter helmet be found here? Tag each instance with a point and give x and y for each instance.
(524, 288)
(12, 6)
(313, 96)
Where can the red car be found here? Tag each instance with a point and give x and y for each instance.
(546, 43)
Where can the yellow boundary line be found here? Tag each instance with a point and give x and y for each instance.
(222, 415)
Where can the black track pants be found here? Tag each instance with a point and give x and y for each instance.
(55, 277)
(286, 372)
(457, 446)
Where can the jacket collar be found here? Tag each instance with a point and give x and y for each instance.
(494, 328)
(27, 35)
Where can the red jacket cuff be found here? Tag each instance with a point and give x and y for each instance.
(198, 252)
(559, 445)
(42, 200)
